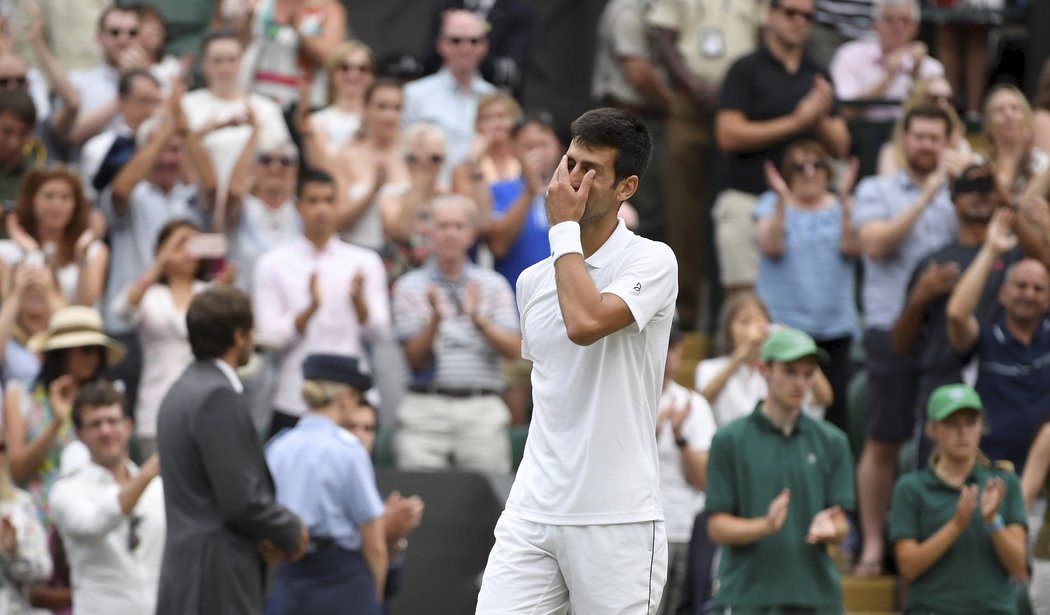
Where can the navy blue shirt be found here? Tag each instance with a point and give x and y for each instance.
(1012, 381)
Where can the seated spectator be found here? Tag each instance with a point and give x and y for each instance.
(323, 474)
(316, 294)
(351, 72)
(732, 382)
(808, 251)
(219, 112)
(684, 428)
(1034, 488)
(24, 557)
(153, 35)
(770, 97)
(1041, 111)
(950, 562)
(37, 425)
(936, 92)
(778, 487)
(455, 320)
(449, 98)
(53, 223)
(17, 157)
(290, 44)
(1011, 371)
(138, 97)
(118, 36)
(156, 305)
(887, 65)
(110, 512)
(1012, 151)
(404, 213)
(490, 164)
(32, 295)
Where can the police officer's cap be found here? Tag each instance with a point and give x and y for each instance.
(336, 368)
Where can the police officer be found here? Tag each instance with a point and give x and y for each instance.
(324, 475)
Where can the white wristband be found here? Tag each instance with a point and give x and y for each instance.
(565, 239)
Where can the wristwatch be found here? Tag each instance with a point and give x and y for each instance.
(681, 442)
(996, 524)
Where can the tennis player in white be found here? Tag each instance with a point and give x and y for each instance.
(583, 525)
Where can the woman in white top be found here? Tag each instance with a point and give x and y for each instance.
(24, 556)
(351, 71)
(1011, 142)
(732, 382)
(28, 302)
(156, 303)
(936, 91)
(53, 225)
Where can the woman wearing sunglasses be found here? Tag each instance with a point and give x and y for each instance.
(807, 248)
(351, 71)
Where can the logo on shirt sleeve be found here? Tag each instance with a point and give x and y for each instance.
(637, 288)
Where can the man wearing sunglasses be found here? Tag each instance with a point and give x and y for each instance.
(109, 512)
(449, 97)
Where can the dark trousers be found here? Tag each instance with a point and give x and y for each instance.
(279, 421)
(330, 581)
(697, 593)
(838, 371)
(128, 370)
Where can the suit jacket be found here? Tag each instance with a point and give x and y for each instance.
(219, 499)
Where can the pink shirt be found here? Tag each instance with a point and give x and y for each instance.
(858, 67)
(282, 291)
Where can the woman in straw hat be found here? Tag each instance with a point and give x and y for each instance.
(37, 424)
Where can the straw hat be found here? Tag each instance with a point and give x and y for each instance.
(76, 326)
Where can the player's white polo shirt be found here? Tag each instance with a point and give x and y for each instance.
(590, 458)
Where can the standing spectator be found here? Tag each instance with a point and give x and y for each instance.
(24, 557)
(1008, 128)
(449, 98)
(17, 119)
(37, 425)
(138, 97)
(887, 65)
(220, 113)
(963, 47)
(684, 428)
(491, 164)
(1034, 489)
(511, 30)
(456, 321)
(156, 305)
(118, 32)
(770, 98)
(71, 28)
(778, 486)
(1041, 110)
(218, 495)
(317, 294)
(627, 76)
(899, 219)
(351, 72)
(958, 527)
(110, 512)
(53, 220)
(324, 475)
(30, 298)
(1011, 371)
(698, 41)
(291, 42)
(936, 92)
(835, 23)
(808, 253)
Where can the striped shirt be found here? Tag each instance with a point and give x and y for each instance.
(462, 356)
(852, 18)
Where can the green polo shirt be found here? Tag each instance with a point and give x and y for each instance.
(969, 578)
(751, 461)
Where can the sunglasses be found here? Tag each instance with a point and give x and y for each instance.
(347, 67)
(266, 159)
(116, 32)
(10, 83)
(473, 40)
(816, 165)
(790, 13)
(433, 159)
(974, 185)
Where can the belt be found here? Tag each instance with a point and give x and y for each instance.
(319, 543)
(459, 392)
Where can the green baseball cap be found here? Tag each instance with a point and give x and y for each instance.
(787, 345)
(950, 398)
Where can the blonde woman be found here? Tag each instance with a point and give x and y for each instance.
(935, 91)
(24, 557)
(351, 71)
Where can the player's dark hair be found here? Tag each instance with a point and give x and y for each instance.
(620, 130)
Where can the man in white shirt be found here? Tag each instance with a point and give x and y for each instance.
(109, 512)
(317, 294)
(584, 512)
(449, 97)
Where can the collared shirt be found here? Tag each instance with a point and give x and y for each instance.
(94, 152)
(323, 474)
(282, 292)
(968, 577)
(114, 558)
(438, 99)
(97, 86)
(261, 228)
(682, 501)
(230, 373)
(133, 237)
(712, 34)
(622, 35)
(859, 66)
(886, 279)
(591, 456)
(1012, 381)
(462, 355)
(751, 461)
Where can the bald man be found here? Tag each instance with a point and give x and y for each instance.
(1013, 350)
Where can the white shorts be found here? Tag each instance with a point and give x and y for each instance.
(539, 569)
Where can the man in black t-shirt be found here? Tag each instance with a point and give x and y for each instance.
(770, 98)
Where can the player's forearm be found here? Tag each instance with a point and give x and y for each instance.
(726, 529)
(586, 311)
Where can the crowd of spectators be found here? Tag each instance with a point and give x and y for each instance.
(389, 221)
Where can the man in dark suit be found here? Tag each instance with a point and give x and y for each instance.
(218, 493)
